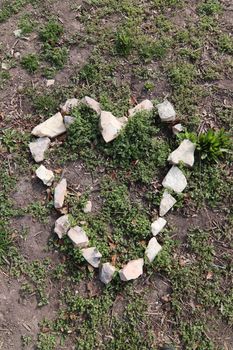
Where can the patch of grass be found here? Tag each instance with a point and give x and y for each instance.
(26, 25)
(209, 7)
(46, 342)
(56, 56)
(124, 41)
(51, 32)
(225, 44)
(30, 62)
(4, 77)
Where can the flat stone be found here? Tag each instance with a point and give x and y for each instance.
(176, 129)
(166, 111)
(110, 126)
(166, 203)
(69, 105)
(152, 249)
(107, 272)
(5, 66)
(62, 225)
(60, 193)
(52, 127)
(91, 103)
(158, 225)
(184, 153)
(38, 148)
(50, 82)
(132, 270)
(68, 120)
(175, 180)
(92, 256)
(145, 105)
(78, 237)
(88, 207)
(45, 175)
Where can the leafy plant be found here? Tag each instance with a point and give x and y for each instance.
(51, 32)
(124, 41)
(30, 63)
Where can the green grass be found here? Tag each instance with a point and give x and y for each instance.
(30, 62)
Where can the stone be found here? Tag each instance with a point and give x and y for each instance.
(175, 180)
(152, 249)
(17, 55)
(5, 66)
(166, 111)
(18, 33)
(38, 148)
(145, 105)
(60, 193)
(166, 203)
(88, 207)
(52, 127)
(50, 82)
(110, 126)
(132, 270)
(45, 175)
(92, 256)
(69, 105)
(107, 272)
(184, 153)
(78, 237)
(68, 120)
(158, 225)
(176, 129)
(91, 103)
(62, 225)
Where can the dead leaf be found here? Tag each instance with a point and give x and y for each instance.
(209, 275)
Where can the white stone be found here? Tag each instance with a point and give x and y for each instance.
(132, 270)
(166, 203)
(78, 237)
(45, 175)
(50, 82)
(5, 66)
(69, 105)
(68, 120)
(107, 272)
(18, 33)
(17, 55)
(62, 225)
(88, 207)
(166, 111)
(158, 225)
(175, 180)
(176, 129)
(39, 147)
(92, 256)
(145, 105)
(91, 103)
(110, 126)
(152, 249)
(184, 153)
(60, 193)
(52, 127)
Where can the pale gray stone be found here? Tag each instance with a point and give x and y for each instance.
(50, 82)
(52, 127)
(5, 66)
(69, 105)
(166, 111)
(110, 126)
(45, 175)
(62, 225)
(60, 193)
(18, 33)
(107, 272)
(158, 225)
(184, 153)
(145, 105)
(68, 120)
(78, 237)
(152, 249)
(88, 207)
(166, 203)
(176, 129)
(91, 103)
(132, 270)
(92, 256)
(38, 148)
(175, 180)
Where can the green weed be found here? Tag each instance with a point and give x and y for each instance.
(51, 32)
(30, 62)
(124, 41)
